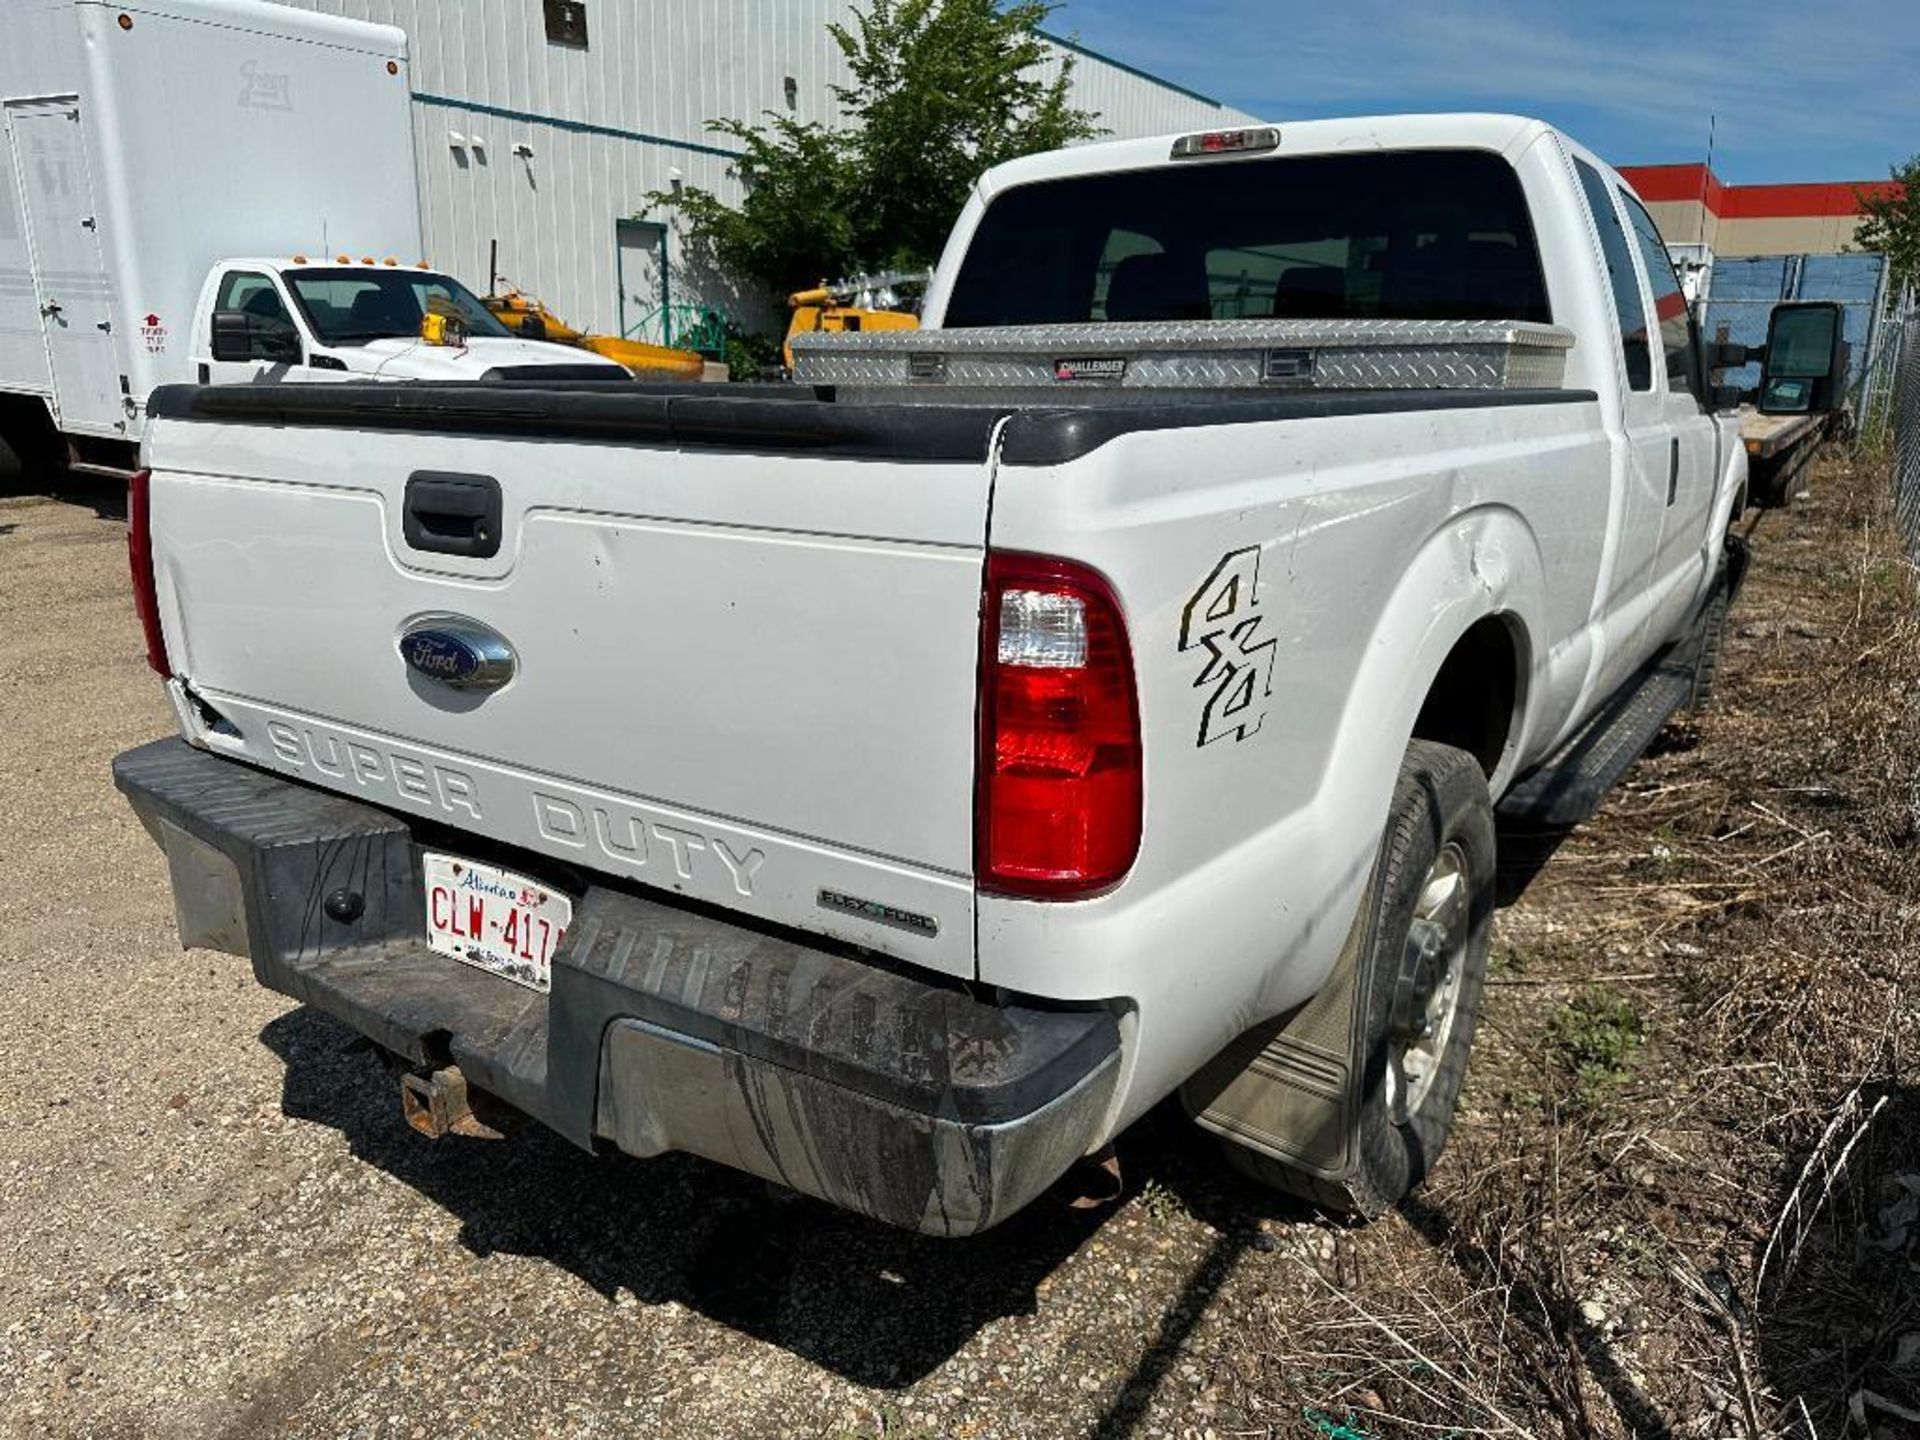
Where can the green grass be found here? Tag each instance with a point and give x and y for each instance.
(1163, 1207)
(1594, 1039)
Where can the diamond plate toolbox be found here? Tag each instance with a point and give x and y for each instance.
(1193, 355)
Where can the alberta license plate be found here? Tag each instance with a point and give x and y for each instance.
(494, 919)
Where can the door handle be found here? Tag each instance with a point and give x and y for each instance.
(1673, 469)
(51, 310)
(452, 514)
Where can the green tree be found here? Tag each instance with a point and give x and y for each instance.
(1892, 225)
(941, 90)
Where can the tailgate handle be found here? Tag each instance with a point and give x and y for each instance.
(452, 514)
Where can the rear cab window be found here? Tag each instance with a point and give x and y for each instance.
(1415, 235)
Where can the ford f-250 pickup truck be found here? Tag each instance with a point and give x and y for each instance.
(895, 783)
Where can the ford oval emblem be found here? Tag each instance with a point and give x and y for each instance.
(456, 651)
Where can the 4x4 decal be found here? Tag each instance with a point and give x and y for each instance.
(1222, 619)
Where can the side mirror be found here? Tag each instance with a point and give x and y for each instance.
(232, 335)
(240, 336)
(276, 342)
(1805, 369)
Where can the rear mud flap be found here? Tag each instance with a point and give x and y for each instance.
(1289, 1088)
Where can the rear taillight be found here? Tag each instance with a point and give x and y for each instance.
(1058, 797)
(146, 596)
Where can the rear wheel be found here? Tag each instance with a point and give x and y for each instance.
(1420, 953)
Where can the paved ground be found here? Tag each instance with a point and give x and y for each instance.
(216, 1224)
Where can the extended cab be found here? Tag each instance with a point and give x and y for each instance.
(895, 783)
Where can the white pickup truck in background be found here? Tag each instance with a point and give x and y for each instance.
(341, 319)
(144, 146)
(896, 783)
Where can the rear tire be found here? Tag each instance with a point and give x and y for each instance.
(1424, 929)
(31, 450)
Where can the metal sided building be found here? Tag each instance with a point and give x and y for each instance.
(543, 124)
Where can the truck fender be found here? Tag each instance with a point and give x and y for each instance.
(1481, 564)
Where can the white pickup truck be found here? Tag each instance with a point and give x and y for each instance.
(342, 319)
(895, 783)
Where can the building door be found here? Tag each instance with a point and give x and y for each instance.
(70, 281)
(643, 280)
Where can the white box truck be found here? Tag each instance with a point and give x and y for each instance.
(148, 145)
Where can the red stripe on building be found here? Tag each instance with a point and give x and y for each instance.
(1661, 184)
(1666, 184)
(1755, 202)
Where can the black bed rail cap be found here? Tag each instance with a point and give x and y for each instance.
(779, 419)
(747, 417)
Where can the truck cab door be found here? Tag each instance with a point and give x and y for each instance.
(248, 334)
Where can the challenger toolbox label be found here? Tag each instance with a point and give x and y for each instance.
(928, 914)
(1091, 367)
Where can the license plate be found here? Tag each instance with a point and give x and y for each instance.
(493, 918)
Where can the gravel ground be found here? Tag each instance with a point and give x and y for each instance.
(216, 1223)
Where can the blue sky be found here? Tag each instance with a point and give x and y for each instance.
(1827, 90)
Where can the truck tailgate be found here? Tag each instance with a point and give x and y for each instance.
(745, 662)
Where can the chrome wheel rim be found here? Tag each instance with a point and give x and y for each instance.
(1426, 1001)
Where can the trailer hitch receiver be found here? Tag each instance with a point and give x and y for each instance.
(439, 1104)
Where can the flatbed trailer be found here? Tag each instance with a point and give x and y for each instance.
(1779, 449)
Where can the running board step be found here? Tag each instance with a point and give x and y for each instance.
(1571, 784)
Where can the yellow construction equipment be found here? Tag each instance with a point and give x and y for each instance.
(524, 315)
(861, 302)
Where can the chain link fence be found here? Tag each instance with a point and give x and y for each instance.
(1905, 405)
